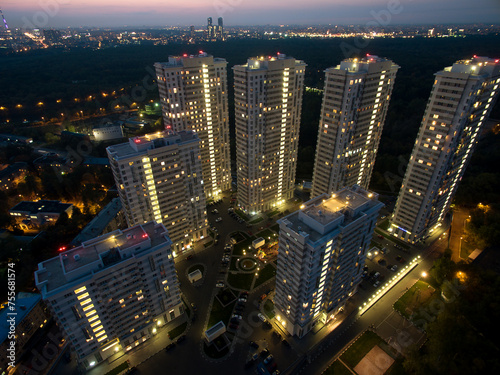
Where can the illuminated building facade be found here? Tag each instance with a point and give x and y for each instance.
(322, 251)
(460, 101)
(268, 102)
(159, 178)
(355, 101)
(112, 293)
(193, 94)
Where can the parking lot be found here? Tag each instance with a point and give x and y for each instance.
(383, 262)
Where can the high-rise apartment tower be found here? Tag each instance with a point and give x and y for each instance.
(355, 102)
(158, 177)
(193, 94)
(460, 101)
(322, 251)
(113, 292)
(268, 102)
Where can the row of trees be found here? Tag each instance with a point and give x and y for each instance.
(461, 338)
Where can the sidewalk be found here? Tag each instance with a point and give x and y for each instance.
(143, 351)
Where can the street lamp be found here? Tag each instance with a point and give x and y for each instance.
(424, 274)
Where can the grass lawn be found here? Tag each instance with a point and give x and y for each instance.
(256, 221)
(219, 313)
(384, 224)
(186, 308)
(275, 227)
(242, 215)
(397, 368)
(272, 213)
(239, 236)
(232, 265)
(466, 249)
(393, 239)
(418, 295)
(240, 280)
(177, 331)
(265, 274)
(212, 351)
(360, 348)
(118, 369)
(269, 309)
(266, 234)
(226, 296)
(196, 267)
(337, 368)
(238, 248)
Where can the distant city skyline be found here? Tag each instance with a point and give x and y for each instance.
(116, 13)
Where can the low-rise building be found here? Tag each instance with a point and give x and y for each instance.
(33, 214)
(12, 175)
(108, 132)
(107, 220)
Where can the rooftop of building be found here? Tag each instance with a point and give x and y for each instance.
(13, 168)
(151, 141)
(266, 62)
(366, 64)
(109, 125)
(189, 60)
(477, 65)
(41, 206)
(325, 213)
(96, 255)
(25, 302)
(99, 222)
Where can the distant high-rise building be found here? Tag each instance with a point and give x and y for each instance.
(193, 94)
(460, 101)
(158, 177)
(112, 293)
(268, 102)
(51, 36)
(220, 29)
(210, 28)
(322, 251)
(6, 39)
(191, 31)
(355, 102)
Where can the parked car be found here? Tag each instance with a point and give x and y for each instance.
(238, 316)
(381, 262)
(193, 306)
(268, 359)
(242, 299)
(394, 268)
(220, 284)
(170, 346)
(219, 219)
(262, 317)
(264, 353)
(254, 345)
(181, 339)
(190, 256)
(376, 284)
